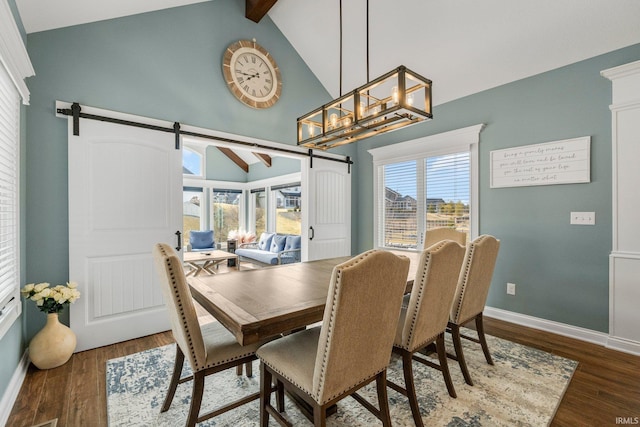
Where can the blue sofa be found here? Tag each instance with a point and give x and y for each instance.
(271, 249)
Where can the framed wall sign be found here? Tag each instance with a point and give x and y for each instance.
(558, 162)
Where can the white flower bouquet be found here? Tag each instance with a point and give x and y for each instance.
(51, 299)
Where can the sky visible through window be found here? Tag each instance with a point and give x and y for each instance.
(400, 177)
(191, 161)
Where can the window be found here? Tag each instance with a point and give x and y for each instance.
(259, 211)
(191, 211)
(10, 304)
(192, 162)
(225, 211)
(423, 184)
(288, 214)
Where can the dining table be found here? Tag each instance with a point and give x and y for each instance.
(262, 303)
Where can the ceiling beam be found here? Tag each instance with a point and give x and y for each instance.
(256, 9)
(235, 158)
(264, 158)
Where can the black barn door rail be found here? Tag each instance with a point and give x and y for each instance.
(76, 112)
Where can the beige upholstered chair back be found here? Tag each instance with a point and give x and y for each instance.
(436, 235)
(182, 313)
(432, 294)
(475, 278)
(360, 320)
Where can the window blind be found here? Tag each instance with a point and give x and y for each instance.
(9, 193)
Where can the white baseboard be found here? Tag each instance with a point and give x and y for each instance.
(563, 329)
(11, 393)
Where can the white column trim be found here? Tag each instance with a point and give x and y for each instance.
(13, 53)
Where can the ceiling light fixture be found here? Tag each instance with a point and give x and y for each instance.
(395, 100)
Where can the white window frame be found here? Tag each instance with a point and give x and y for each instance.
(10, 304)
(464, 139)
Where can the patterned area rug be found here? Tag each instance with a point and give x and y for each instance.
(523, 388)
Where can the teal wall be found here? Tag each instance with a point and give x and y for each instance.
(165, 65)
(561, 270)
(279, 166)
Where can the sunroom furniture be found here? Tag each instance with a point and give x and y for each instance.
(471, 296)
(353, 346)
(423, 321)
(436, 235)
(205, 262)
(271, 249)
(208, 348)
(201, 240)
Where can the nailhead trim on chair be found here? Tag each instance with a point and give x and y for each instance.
(330, 331)
(414, 315)
(199, 366)
(467, 267)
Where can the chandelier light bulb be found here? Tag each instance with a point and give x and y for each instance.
(333, 120)
(410, 99)
(395, 96)
(311, 130)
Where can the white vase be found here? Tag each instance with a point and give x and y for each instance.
(53, 345)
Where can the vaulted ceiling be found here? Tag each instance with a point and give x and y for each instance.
(464, 46)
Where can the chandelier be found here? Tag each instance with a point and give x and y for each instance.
(395, 100)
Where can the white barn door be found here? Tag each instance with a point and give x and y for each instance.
(125, 195)
(327, 229)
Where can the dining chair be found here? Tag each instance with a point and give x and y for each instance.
(471, 296)
(209, 348)
(351, 348)
(436, 235)
(424, 320)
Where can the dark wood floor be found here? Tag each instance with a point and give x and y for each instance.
(605, 386)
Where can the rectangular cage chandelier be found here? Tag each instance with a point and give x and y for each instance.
(395, 100)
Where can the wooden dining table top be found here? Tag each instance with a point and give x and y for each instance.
(262, 303)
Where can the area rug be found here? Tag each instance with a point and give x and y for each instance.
(523, 388)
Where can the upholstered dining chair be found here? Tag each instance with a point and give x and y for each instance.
(471, 296)
(209, 348)
(436, 235)
(351, 348)
(424, 320)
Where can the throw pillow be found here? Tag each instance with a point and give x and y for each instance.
(277, 243)
(265, 241)
(293, 242)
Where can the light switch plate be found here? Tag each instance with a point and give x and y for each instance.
(583, 218)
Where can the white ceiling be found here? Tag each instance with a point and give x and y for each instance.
(464, 46)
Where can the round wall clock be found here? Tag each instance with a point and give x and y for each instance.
(252, 74)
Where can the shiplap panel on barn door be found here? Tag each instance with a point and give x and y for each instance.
(125, 193)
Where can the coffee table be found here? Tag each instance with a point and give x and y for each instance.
(204, 262)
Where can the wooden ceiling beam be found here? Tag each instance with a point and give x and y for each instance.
(235, 158)
(256, 9)
(264, 158)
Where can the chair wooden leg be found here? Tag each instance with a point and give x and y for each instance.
(175, 378)
(457, 344)
(383, 400)
(265, 394)
(482, 339)
(319, 416)
(196, 398)
(444, 366)
(280, 395)
(407, 367)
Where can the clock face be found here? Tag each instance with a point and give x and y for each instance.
(251, 74)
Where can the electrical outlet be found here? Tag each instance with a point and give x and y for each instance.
(511, 288)
(583, 218)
